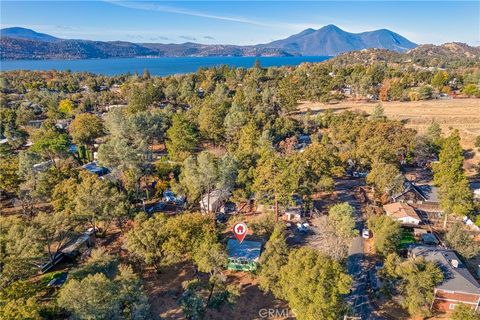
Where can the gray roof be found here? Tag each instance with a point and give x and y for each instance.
(247, 250)
(427, 192)
(456, 278)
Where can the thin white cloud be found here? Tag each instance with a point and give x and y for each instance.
(188, 12)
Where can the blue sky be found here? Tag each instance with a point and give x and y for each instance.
(247, 22)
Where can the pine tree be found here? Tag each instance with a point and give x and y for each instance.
(272, 259)
(454, 191)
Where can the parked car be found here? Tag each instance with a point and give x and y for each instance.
(303, 227)
(366, 234)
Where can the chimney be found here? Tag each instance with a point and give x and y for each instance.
(454, 263)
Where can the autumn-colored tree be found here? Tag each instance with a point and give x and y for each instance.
(85, 128)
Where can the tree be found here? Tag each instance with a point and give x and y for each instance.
(454, 191)
(341, 218)
(181, 138)
(65, 106)
(162, 241)
(386, 178)
(439, 80)
(97, 201)
(85, 128)
(425, 92)
(146, 239)
(386, 233)
(100, 261)
(104, 290)
(313, 285)
(459, 239)
(477, 142)
(50, 144)
(416, 279)
(9, 178)
(464, 312)
(211, 118)
(146, 74)
(275, 178)
(54, 230)
(20, 309)
(272, 259)
(132, 297)
(20, 249)
(471, 90)
(93, 297)
(191, 302)
(288, 94)
(378, 113)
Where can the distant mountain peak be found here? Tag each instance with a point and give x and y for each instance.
(330, 27)
(331, 40)
(24, 33)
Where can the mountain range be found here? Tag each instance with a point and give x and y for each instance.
(21, 43)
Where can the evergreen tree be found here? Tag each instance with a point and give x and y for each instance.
(454, 191)
(272, 259)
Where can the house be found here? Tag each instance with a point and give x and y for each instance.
(94, 168)
(42, 166)
(293, 214)
(35, 123)
(459, 285)
(243, 256)
(214, 201)
(475, 186)
(303, 141)
(402, 212)
(417, 194)
(84, 241)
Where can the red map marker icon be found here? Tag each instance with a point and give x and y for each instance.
(240, 231)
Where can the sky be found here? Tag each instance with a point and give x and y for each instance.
(242, 22)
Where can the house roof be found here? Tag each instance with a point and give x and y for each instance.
(455, 278)
(400, 210)
(94, 168)
(247, 250)
(215, 195)
(427, 192)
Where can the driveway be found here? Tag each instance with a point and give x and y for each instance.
(357, 265)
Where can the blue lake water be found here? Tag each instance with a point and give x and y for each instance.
(156, 66)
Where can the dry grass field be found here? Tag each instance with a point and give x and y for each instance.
(461, 114)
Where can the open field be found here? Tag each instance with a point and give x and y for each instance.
(461, 114)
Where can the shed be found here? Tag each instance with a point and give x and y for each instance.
(243, 256)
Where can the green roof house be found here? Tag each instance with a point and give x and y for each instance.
(243, 256)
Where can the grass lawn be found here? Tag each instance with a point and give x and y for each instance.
(406, 239)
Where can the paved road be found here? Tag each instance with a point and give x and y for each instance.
(357, 266)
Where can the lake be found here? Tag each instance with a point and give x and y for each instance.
(156, 66)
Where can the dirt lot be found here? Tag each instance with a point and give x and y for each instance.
(165, 288)
(461, 114)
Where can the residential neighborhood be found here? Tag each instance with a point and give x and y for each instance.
(344, 188)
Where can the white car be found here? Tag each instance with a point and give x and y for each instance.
(366, 234)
